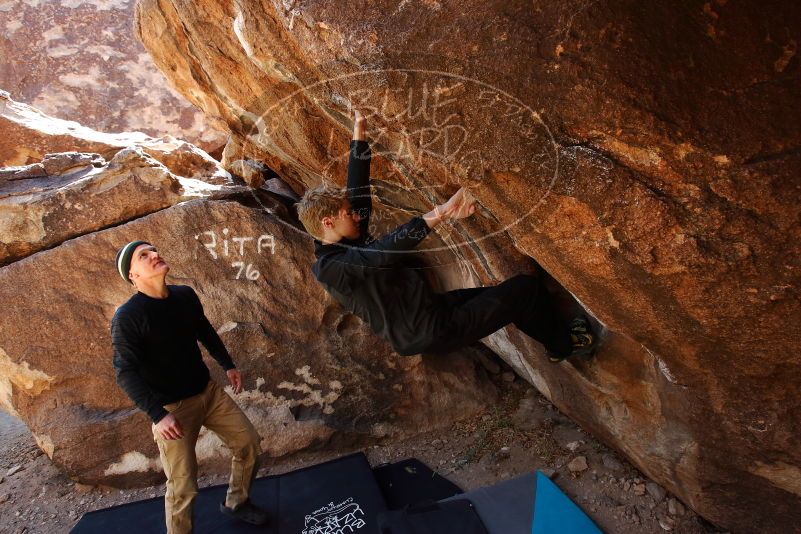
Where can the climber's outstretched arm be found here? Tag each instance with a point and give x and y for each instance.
(459, 206)
(359, 174)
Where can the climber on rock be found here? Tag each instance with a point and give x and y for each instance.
(366, 275)
(159, 366)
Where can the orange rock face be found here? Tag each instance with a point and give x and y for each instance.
(647, 158)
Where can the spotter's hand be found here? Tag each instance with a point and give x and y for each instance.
(235, 379)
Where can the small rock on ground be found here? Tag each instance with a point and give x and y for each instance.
(656, 491)
(578, 464)
(675, 507)
(14, 470)
(611, 463)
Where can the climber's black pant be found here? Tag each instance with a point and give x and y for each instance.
(475, 313)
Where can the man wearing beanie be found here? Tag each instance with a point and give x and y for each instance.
(159, 366)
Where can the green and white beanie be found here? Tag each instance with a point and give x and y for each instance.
(123, 259)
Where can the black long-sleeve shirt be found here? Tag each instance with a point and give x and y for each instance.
(366, 277)
(156, 355)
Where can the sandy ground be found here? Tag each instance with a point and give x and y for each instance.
(522, 433)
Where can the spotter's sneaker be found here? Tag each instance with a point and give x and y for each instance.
(247, 512)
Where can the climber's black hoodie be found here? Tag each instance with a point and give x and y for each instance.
(367, 276)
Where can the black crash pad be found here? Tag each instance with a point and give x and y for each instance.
(337, 496)
(409, 482)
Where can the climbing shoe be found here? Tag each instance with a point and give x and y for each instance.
(582, 341)
(581, 338)
(247, 512)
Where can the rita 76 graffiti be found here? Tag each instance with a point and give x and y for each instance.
(237, 246)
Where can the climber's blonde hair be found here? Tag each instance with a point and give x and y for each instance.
(323, 201)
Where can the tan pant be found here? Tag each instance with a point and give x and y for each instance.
(217, 411)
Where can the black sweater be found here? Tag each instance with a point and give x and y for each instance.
(156, 355)
(366, 275)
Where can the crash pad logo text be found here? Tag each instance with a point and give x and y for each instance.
(342, 518)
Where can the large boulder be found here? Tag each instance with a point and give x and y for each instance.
(645, 157)
(71, 194)
(81, 62)
(30, 135)
(314, 374)
(59, 195)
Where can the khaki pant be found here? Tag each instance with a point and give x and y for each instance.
(217, 411)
